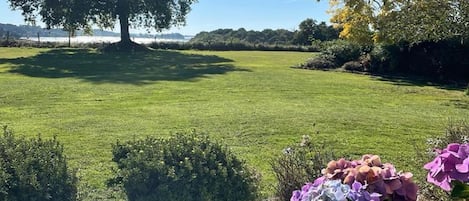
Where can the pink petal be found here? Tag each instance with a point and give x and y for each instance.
(436, 162)
(441, 180)
(464, 167)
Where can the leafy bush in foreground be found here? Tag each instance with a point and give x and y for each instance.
(297, 165)
(182, 168)
(34, 170)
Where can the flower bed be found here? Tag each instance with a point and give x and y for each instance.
(370, 179)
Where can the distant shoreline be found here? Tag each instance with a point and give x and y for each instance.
(101, 39)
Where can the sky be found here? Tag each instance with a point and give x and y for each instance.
(208, 15)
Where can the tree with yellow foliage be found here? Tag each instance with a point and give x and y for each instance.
(394, 21)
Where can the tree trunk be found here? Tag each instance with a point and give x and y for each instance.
(124, 22)
(123, 12)
(69, 38)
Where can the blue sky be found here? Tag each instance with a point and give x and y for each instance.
(207, 15)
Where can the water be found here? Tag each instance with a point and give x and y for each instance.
(101, 39)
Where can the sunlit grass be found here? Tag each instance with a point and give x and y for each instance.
(251, 101)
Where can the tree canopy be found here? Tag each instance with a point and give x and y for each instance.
(394, 21)
(310, 30)
(82, 14)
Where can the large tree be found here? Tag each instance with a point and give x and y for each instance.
(75, 14)
(393, 21)
(310, 30)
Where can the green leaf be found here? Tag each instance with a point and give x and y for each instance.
(460, 190)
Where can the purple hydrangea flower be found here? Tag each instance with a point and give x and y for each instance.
(358, 192)
(452, 163)
(310, 188)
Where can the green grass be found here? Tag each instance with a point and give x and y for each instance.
(252, 101)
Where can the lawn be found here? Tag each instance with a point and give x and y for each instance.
(252, 101)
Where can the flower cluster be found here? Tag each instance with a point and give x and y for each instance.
(322, 189)
(451, 163)
(359, 180)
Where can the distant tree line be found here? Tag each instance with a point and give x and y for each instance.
(309, 31)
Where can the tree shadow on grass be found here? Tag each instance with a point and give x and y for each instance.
(408, 80)
(125, 68)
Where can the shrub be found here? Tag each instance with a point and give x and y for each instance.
(34, 170)
(342, 51)
(322, 61)
(353, 66)
(385, 58)
(467, 90)
(456, 132)
(297, 165)
(182, 168)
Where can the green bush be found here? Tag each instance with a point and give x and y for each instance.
(34, 170)
(385, 58)
(322, 61)
(467, 90)
(456, 132)
(298, 165)
(353, 66)
(342, 51)
(182, 168)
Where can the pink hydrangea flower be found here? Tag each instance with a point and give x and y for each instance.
(452, 163)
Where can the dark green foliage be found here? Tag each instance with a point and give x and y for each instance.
(467, 90)
(353, 66)
(343, 51)
(299, 164)
(168, 46)
(444, 60)
(230, 36)
(460, 189)
(322, 61)
(26, 43)
(235, 46)
(34, 170)
(310, 31)
(183, 167)
(384, 58)
(334, 54)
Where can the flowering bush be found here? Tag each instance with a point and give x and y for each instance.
(451, 165)
(359, 180)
